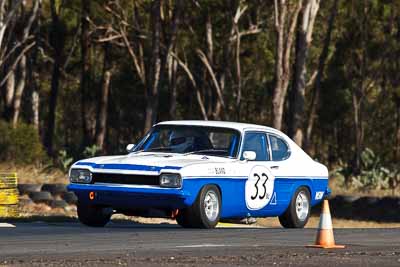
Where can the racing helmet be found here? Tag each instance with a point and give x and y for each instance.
(181, 141)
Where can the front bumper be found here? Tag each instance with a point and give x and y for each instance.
(131, 197)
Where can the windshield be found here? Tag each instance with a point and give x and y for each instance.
(184, 139)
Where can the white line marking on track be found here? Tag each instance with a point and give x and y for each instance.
(6, 225)
(236, 225)
(203, 246)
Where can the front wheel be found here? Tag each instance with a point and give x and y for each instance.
(205, 211)
(298, 212)
(92, 215)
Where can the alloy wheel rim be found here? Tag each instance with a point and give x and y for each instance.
(211, 205)
(302, 206)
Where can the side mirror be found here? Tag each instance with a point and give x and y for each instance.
(129, 147)
(249, 155)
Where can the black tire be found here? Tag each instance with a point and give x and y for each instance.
(54, 189)
(58, 203)
(290, 219)
(41, 197)
(28, 188)
(182, 220)
(25, 202)
(195, 215)
(94, 216)
(70, 198)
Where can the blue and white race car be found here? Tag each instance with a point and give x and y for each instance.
(200, 172)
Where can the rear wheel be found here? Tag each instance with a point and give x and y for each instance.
(298, 212)
(92, 215)
(205, 211)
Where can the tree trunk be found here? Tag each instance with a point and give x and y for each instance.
(397, 139)
(172, 72)
(172, 65)
(358, 92)
(85, 73)
(155, 67)
(206, 88)
(19, 91)
(35, 69)
(285, 25)
(358, 131)
(9, 96)
(55, 78)
(58, 45)
(35, 108)
(304, 38)
(321, 67)
(238, 73)
(22, 65)
(103, 101)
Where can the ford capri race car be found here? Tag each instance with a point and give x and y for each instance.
(200, 172)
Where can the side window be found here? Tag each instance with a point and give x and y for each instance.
(279, 148)
(256, 142)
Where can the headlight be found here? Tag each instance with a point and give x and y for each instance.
(80, 176)
(170, 180)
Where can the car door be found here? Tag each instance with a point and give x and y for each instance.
(279, 151)
(282, 168)
(259, 186)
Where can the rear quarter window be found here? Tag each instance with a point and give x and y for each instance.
(279, 148)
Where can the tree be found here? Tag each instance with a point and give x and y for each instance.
(285, 15)
(315, 98)
(86, 113)
(153, 83)
(57, 42)
(13, 50)
(103, 100)
(170, 63)
(304, 37)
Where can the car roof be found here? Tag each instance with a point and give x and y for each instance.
(225, 124)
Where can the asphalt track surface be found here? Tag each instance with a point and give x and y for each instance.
(127, 244)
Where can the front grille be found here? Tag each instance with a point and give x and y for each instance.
(114, 178)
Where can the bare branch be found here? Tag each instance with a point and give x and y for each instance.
(14, 65)
(253, 30)
(204, 59)
(108, 39)
(133, 55)
(193, 81)
(31, 20)
(15, 47)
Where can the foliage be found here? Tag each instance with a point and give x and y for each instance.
(20, 145)
(374, 174)
(91, 151)
(64, 161)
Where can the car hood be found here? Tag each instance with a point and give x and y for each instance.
(146, 161)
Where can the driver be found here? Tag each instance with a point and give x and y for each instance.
(183, 141)
(180, 141)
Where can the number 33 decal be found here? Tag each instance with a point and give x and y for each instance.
(259, 188)
(265, 178)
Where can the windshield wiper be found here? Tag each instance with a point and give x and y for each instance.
(153, 149)
(158, 148)
(206, 151)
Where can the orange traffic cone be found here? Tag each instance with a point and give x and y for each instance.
(325, 237)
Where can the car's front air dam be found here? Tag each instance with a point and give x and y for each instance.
(123, 197)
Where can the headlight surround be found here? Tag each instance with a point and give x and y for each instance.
(171, 180)
(82, 176)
